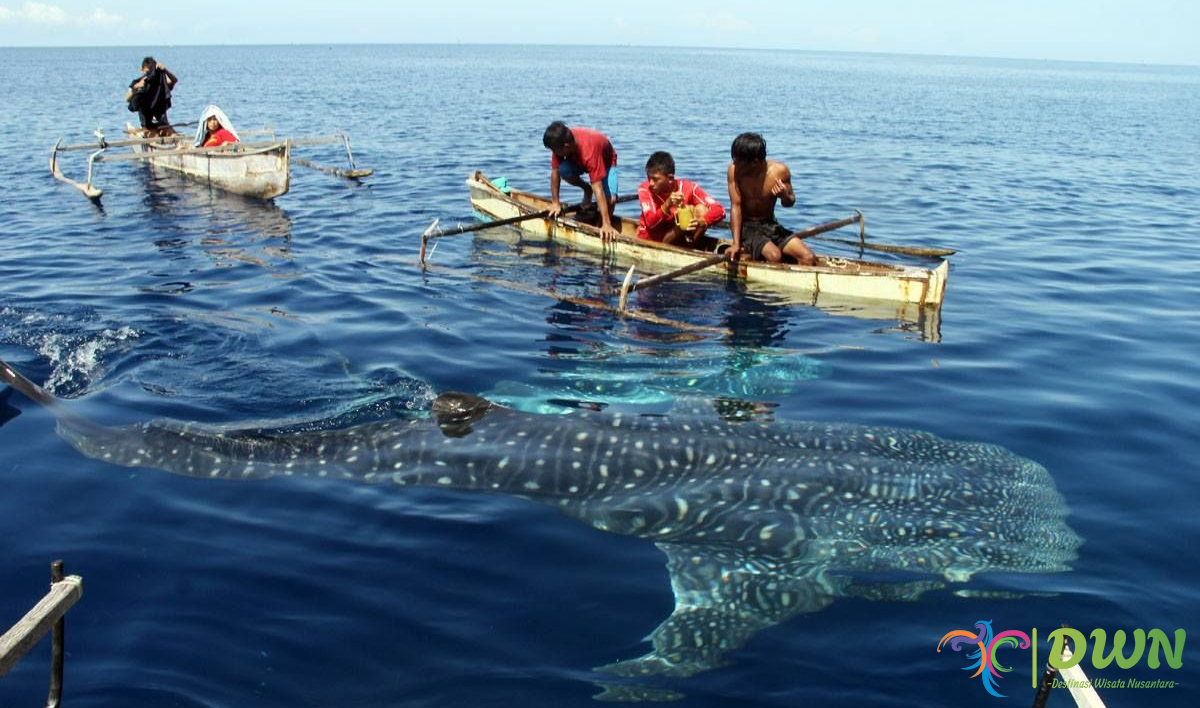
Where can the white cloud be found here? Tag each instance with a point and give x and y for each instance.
(102, 18)
(42, 14)
(35, 12)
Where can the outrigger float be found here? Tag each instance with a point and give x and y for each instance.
(259, 169)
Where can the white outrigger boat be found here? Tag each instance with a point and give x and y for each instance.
(259, 169)
(829, 280)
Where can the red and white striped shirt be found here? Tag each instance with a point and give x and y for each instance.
(654, 224)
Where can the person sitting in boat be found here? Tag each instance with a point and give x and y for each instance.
(674, 211)
(149, 96)
(755, 183)
(574, 152)
(214, 128)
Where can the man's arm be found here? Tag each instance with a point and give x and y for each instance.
(555, 183)
(735, 212)
(782, 187)
(171, 78)
(715, 212)
(606, 228)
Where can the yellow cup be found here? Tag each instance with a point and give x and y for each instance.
(683, 217)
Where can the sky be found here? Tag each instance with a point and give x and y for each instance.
(1123, 31)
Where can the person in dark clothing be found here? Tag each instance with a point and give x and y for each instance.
(149, 96)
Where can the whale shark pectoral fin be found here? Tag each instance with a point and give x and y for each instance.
(722, 598)
(456, 411)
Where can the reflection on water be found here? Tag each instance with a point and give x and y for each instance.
(652, 376)
(235, 229)
(760, 310)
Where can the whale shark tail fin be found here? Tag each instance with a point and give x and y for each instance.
(32, 391)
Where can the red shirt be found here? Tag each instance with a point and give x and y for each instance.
(596, 153)
(653, 225)
(221, 137)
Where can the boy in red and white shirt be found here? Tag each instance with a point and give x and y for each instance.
(662, 196)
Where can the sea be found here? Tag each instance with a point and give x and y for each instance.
(1070, 336)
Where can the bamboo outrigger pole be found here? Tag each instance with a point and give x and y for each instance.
(433, 232)
(45, 617)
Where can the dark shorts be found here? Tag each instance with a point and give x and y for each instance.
(757, 234)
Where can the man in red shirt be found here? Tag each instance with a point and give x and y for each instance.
(578, 151)
(663, 196)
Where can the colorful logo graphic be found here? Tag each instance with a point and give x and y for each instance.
(985, 645)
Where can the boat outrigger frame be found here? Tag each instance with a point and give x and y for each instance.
(177, 145)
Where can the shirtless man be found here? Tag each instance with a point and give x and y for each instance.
(754, 184)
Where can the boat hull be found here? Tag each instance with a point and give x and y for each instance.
(264, 173)
(832, 279)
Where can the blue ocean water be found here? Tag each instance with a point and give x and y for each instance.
(1069, 336)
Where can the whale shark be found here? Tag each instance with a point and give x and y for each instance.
(759, 521)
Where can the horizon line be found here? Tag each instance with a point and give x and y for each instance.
(620, 46)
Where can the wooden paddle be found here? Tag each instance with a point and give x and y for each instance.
(862, 241)
(815, 231)
(653, 280)
(432, 232)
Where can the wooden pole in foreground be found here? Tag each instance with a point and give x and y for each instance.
(45, 616)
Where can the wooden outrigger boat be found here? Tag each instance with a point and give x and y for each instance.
(831, 278)
(254, 169)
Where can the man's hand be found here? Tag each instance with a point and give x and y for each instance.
(555, 209)
(608, 233)
(781, 189)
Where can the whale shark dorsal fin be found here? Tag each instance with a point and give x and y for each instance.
(456, 411)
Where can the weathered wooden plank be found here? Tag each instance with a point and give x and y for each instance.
(17, 641)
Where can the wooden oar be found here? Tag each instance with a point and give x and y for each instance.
(822, 228)
(432, 232)
(862, 241)
(815, 231)
(653, 280)
(923, 251)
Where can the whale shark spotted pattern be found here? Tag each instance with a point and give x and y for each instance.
(759, 521)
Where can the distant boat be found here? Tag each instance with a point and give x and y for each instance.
(253, 169)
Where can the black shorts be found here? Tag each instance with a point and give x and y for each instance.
(757, 234)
